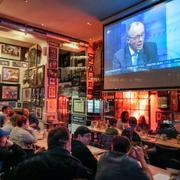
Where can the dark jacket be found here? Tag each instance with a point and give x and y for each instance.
(33, 119)
(80, 151)
(122, 58)
(116, 166)
(10, 157)
(131, 134)
(55, 163)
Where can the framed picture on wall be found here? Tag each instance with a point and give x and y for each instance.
(12, 104)
(26, 94)
(32, 76)
(52, 92)
(32, 57)
(19, 105)
(8, 51)
(38, 112)
(9, 92)
(76, 81)
(10, 74)
(40, 76)
(4, 63)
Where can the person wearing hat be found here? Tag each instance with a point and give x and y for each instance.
(10, 153)
(79, 149)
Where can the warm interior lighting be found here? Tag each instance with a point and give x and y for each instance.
(89, 24)
(71, 45)
(154, 107)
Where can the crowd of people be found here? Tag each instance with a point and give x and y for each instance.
(68, 156)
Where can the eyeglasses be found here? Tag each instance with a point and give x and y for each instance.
(137, 37)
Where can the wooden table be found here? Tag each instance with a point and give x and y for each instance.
(97, 130)
(101, 130)
(95, 151)
(155, 170)
(168, 143)
(98, 151)
(42, 143)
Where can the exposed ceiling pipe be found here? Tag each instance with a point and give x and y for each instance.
(44, 33)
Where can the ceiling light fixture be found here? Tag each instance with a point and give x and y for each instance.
(71, 45)
(89, 24)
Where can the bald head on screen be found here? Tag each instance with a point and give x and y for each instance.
(136, 36)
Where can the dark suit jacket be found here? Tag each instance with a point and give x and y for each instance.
(55, 163)
(122, 58)
(80, 151)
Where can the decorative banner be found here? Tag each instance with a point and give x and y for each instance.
(52, 92)
(51, 105)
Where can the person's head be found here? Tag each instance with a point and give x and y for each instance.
(83, 134)
(11, 113)
(132, 122)
(59, 137)
(20, 120)
(3, 138)
(142, 120)
(25, 112)
(112, 122)
(6, 110)
(121, 144)
(125, 116)
(13, 119)
(136, 36)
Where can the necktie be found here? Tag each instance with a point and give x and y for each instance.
(135, 59)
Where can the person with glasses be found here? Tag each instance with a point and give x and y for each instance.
(136, 52)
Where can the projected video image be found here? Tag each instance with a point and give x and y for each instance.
(146, 42)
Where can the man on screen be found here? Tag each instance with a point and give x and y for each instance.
(136, 52)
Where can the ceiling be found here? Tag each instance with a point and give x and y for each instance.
(81, 19)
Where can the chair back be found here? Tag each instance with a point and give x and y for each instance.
(106, 141)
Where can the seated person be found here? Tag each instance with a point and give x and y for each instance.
(33, 121)
(131, 131)
(9, 124)
(142, 124)
(168, 129)
(6, 112)
(106, 141)
(10, 153)
(55, 163)
(124, 120)
(122, 162)
(111, 130)
(82, 137)
(22, 134)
